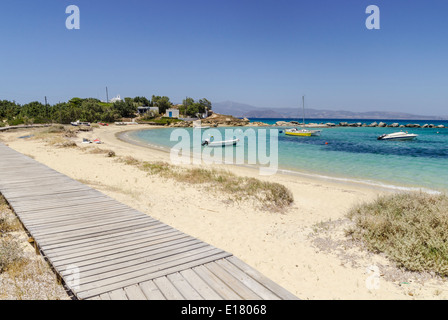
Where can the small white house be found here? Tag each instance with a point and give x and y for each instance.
(172, 113)
(144, 110)
(154, 109)
(116, 99)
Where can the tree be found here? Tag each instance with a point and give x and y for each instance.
(126, 109)
(187, 102)
(142, 101)
(206, 104)
(163, 103)
(193, 109)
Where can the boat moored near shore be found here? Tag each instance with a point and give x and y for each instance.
(401, 136)
(302, 132)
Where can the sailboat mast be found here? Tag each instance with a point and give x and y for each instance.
(303, 104)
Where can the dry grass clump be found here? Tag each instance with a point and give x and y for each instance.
(411, 228)
(10, 252)
(66, 144)
(58, 135)
(8, 222)
(96, 150)
(85, 128)
(272, 196)
(23, 274)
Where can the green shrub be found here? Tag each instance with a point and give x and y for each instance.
(16, 122)
(411, 228)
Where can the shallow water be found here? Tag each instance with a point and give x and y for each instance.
(346, 153)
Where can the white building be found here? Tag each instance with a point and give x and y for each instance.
(117, 98)
(172, 113)
(154, 109)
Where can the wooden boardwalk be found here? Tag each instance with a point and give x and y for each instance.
(103, 249)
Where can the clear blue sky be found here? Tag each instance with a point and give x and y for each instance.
(266, 53)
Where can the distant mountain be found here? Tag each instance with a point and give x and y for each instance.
(244, 110)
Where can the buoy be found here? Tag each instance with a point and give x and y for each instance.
(326, 142)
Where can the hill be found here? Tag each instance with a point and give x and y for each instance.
(244, 110)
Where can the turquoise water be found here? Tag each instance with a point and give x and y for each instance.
(348, 153)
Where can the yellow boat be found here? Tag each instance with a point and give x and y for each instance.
(302, 133)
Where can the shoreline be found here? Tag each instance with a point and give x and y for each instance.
(374, 184)
(291, 248)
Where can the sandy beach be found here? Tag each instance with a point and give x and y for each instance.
(303, 249)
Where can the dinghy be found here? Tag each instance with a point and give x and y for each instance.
(209, 143)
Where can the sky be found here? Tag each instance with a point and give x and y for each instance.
(266, 53)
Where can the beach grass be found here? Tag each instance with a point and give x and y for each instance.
(10, 252)
(8, 222)
(410, 228)
(23, 274)
(57, 135)
(272, 196)
(95, 150)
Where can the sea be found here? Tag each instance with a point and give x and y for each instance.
(346, 154)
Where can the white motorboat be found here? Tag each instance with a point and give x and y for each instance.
(197, 125)
(79, 123)
(209, 143)
(398, 136)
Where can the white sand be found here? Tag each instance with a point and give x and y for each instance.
(276, 244)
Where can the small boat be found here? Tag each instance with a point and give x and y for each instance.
(209, 143)
(79, 123)
(398, 136)
(197, 125)
(302, 132)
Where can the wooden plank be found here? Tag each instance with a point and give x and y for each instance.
(40, 222)
(162, 232)
(118, 294)
(87, 227)
(60, 242)
(73, 246)
(50, 208)
(182, 285)
(146, 254)
(167, 289)
(178, 265)
(135, 293)
(221, 288)
(105, 296)
(271, 285)
(89, 232)
(129, 249)
(151, 259)
(249, 282)
(200, 285)
(90, 217)
(151, 291)
(236, 285)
